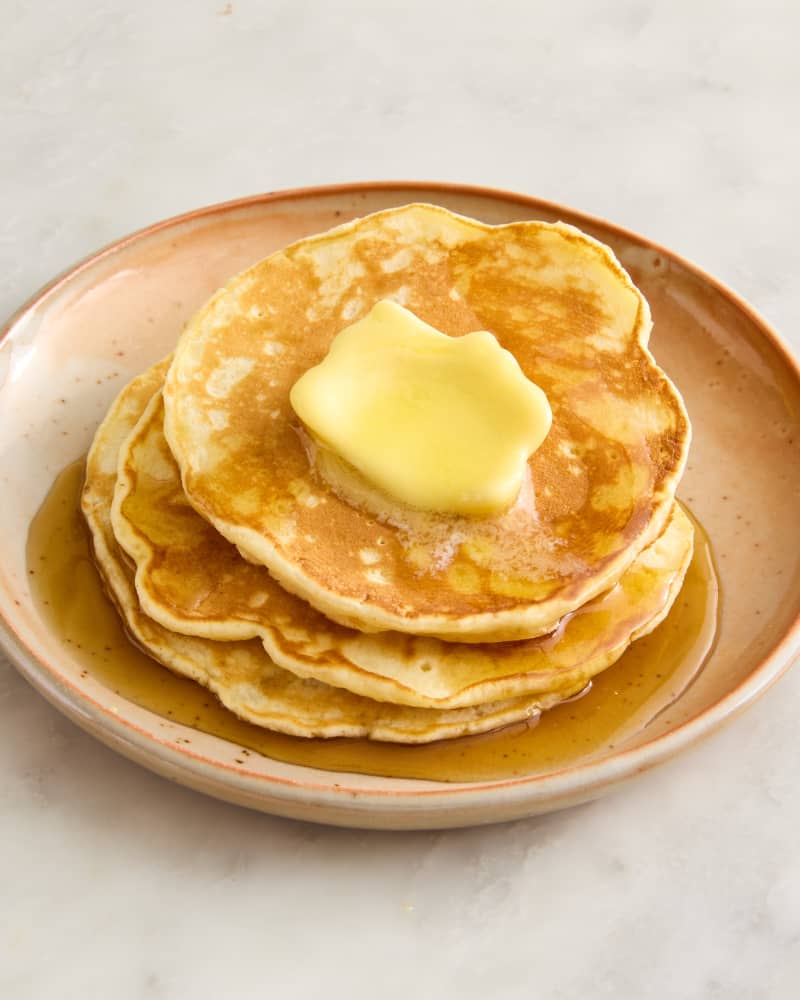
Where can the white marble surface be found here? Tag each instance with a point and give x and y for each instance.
(678, 120)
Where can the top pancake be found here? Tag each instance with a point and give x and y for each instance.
(597, 492)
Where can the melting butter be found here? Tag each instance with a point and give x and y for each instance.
(440, 423)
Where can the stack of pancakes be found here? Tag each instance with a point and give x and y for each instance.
(319, 606)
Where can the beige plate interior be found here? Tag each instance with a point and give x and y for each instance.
(69, 351)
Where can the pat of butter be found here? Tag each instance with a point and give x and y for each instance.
(441, 423)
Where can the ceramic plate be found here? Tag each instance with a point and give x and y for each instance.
(61, 363)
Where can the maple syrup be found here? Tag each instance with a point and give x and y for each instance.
(621, 701)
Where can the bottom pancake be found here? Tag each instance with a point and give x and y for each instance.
(240, 673)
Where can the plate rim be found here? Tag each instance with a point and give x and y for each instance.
(551, 789)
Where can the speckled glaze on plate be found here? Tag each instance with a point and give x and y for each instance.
(67, 353)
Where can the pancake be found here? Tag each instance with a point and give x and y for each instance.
(598, 491)
(241, 674)
(193, 581)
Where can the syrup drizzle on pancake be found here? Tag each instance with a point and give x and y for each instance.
(622, 700)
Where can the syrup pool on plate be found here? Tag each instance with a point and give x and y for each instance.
(621, 701)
